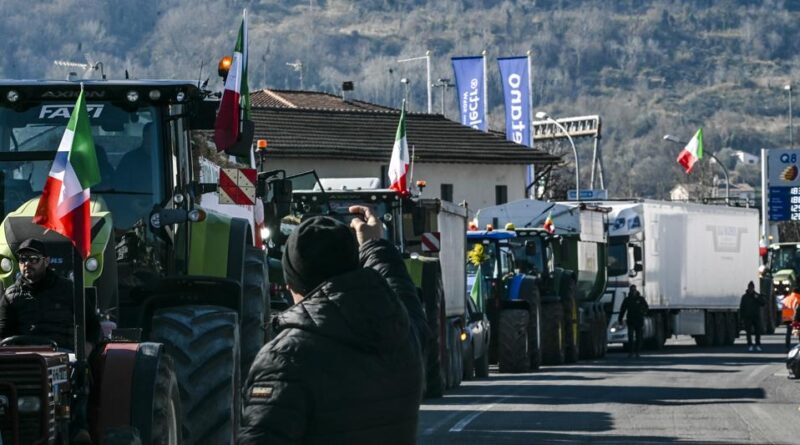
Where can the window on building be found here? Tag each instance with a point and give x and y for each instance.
(447, 192)
(500, 194)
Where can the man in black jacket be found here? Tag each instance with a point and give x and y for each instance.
(40, 302)
(636, 307)
(346, 364)
(750, 311)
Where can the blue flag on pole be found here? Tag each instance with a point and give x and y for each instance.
(515, 74)
(471, 95)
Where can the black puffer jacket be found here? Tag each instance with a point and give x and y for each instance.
(44, 309)
(346, 366)
(750, 306)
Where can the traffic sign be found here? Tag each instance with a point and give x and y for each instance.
(783, 175)
(588, 195)
(237, 186)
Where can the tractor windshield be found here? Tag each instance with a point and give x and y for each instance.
(126, 141)
(785, 257)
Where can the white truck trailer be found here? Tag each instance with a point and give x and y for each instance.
(691, 262)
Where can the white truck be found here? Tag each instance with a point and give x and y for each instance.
(691, 262)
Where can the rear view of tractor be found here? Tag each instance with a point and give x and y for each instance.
(164, 268)
(429, 233)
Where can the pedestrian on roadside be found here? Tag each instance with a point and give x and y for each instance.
(346, 364)
(750, 313)
(789, 311)
(636, 307)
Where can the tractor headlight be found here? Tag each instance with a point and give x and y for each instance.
(29, 404)
(265, 233)
(92, 264)
(6, 265)
(180, 96)
(196, 215)
(132, 96)
(12, 96)
(786, 282)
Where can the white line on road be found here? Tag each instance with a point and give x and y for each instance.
(461, 424)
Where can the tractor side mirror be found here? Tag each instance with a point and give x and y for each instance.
(638, 267)
(637, 254)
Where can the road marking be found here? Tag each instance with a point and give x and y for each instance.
(458, 427)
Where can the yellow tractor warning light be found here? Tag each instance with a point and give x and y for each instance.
(510, 226)
(261, 145)
(224, 66)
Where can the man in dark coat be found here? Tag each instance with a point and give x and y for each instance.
(346, 364)
(750, 312)
(636, 308)
(40, 302)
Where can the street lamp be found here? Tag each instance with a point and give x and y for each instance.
(788, 87)
(427, 58)
(405, 81)
(671, 138)
(443, 84)
(543, 115)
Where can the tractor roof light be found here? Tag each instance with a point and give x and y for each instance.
(489, 227)
(224, 66)
(261, 145)
(510, 226)
(12, 96)
(154, 95)
(132, 96)
(180, 97)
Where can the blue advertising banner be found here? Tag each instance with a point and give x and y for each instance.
(514, 72)
(470, 85)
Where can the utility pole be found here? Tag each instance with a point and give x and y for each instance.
(297, 65)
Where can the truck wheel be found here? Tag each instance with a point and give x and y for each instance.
(732, 326)
(204, 344)
(456, 355)
(482, 364)
(255, 301)
(602, 334)
(469, 362)
(513, 341)
(720, 328)
(432, 294)
(571, 328)
(706, 340)
(657, 341)
(552, 334)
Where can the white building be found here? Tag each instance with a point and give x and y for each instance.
(345, 139)
(746, 158)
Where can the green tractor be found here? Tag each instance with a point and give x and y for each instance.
(163, 266)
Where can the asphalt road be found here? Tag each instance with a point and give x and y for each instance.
(679, 395)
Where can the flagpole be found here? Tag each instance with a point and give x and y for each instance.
(531, 172)
(485, 91)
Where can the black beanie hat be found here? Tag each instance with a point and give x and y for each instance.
(318, 249)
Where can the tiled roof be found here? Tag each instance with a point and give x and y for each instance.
(369, 136)
(309, 100)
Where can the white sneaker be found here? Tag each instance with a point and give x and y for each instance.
(750, 348)
(758, 348)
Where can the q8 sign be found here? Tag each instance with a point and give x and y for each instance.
(783, 180)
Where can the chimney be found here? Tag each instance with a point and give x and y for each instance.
(347, 85)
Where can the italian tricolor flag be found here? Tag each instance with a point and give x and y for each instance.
(548, 225)
(64, 205)
(398, 164)
(692, 153)
(236, 97)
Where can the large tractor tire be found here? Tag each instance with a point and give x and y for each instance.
(255, 306)
(552, 333)
(513, 353)
(456, 355)
(204, 343)
(529, 292)
(571, 324)
(432, 294)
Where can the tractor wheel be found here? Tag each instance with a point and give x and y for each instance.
(552, 334)
(432, 294)
(166, 406)
(482, 365)
(571, 328)
(535, 335)
(456, 354)
(204, 344)
(513, 342)
(255, 301)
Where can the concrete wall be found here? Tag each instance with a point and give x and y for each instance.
(473, 183)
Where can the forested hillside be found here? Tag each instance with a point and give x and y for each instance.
(647, 67)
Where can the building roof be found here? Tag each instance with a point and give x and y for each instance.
(309, 100)
(369, 136)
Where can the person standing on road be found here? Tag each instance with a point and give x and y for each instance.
(636, 307)
(789, 311)
(750, 312)
(346, 365)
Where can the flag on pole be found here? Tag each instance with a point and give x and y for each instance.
(64, 205)
(398, 165)
(235, 102)
(549, 226)
(692, 153)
